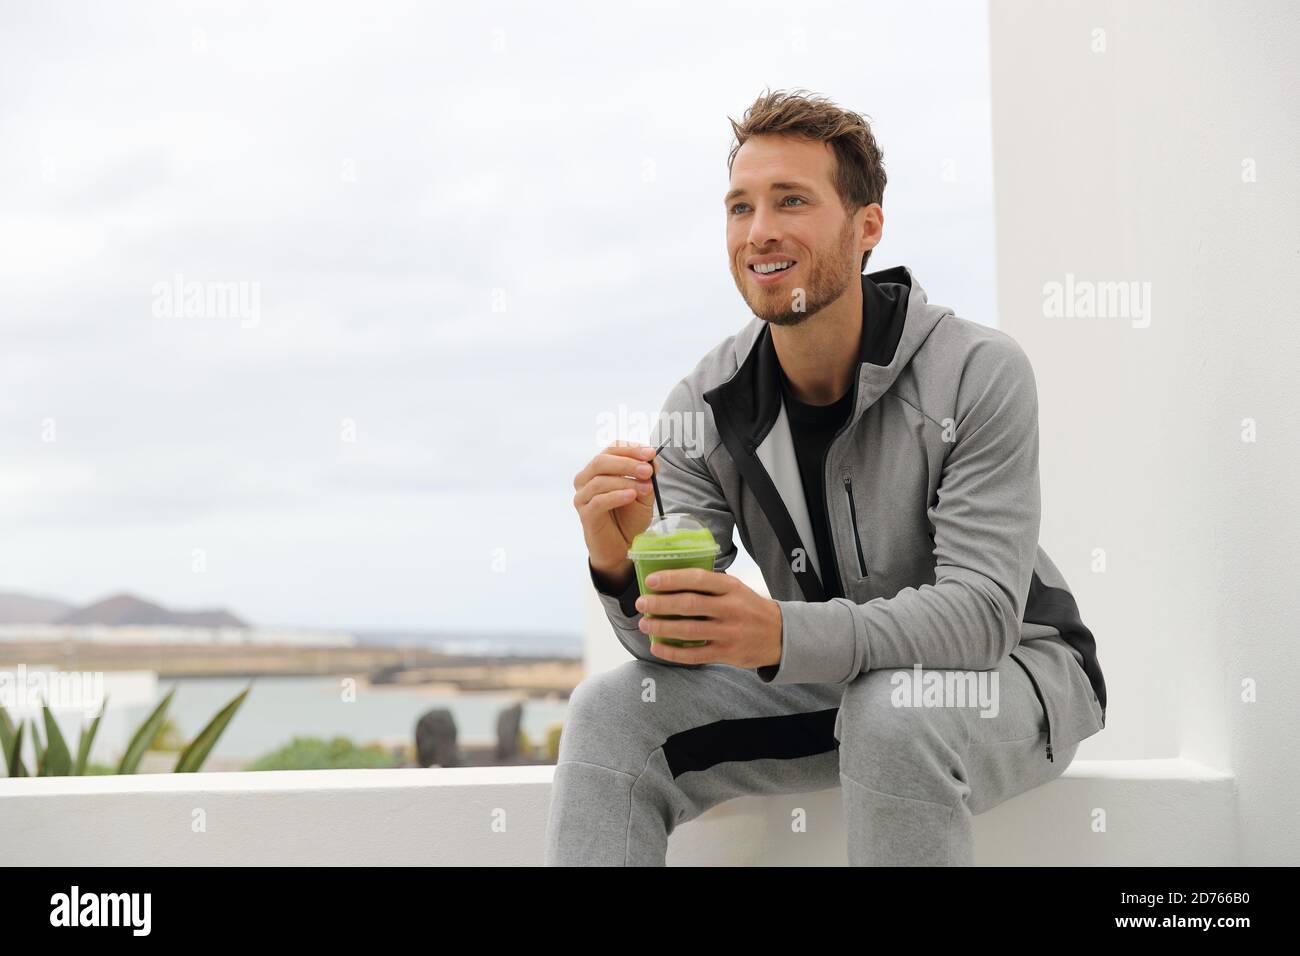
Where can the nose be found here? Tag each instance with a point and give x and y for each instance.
(764, 228)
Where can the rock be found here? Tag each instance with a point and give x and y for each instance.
(508, 722)
(435, 739)
(386, 674)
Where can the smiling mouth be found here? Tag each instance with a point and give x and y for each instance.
(774, 272)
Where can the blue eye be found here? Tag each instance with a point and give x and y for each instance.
(799, 199)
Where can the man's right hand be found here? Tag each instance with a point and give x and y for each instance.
(615, 502)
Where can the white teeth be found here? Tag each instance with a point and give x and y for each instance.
(763, 268)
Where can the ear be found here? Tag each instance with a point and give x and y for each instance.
(872, 228)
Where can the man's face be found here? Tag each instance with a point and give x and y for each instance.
(782, 206)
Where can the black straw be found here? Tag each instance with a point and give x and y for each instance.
(654, 480)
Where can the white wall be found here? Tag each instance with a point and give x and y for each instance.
(1127, 164)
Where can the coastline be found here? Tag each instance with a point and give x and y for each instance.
(378, 667)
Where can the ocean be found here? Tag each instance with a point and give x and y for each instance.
(280, 708)
(486, 643)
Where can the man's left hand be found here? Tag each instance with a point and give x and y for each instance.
(743, 628)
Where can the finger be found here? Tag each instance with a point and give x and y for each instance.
(608, 501)
(659, 453)
(603, 484)
(685, 655)
(608, 463)
(681, 629)
(691, 579)
(636, 448)
(689, 603)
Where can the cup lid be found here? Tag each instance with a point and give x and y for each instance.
(675, 534)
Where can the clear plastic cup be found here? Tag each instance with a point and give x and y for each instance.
(675, 540)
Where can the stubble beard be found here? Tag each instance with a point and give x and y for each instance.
(829, 275)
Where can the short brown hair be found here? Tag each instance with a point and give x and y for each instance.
(859, 170)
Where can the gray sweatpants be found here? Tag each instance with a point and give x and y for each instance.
(647, 746)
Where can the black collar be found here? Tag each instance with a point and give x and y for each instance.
(884, 307)
(748, 403)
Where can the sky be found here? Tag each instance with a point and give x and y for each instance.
(458, 237)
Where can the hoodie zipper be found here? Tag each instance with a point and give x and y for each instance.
(826, 502)
(853, 515)
(1039, 694)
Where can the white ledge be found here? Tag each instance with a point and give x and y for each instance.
(279, 781)
(1156, 812)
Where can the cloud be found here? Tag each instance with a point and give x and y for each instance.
(472, 230)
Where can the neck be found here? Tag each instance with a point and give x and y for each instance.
(820, 355)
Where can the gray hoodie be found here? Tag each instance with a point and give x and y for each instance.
(932, 494)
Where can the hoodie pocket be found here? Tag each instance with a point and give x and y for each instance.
(1047, 717)
(853, 519)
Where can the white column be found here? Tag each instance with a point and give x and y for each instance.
(1156, 144)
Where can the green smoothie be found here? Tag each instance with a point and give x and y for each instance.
(673, 541)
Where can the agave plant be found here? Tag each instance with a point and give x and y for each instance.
(54, 759)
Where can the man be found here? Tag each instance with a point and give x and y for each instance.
(879, 457)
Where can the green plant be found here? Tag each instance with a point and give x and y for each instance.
(11, 744)
(56, 761)
(53, 759)
(88, 738)
(553, 741)
(192, 757)
(144, 735)
(169, 738)
(315, 753)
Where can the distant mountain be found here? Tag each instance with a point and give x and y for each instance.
(127, 609)
(29, 609)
